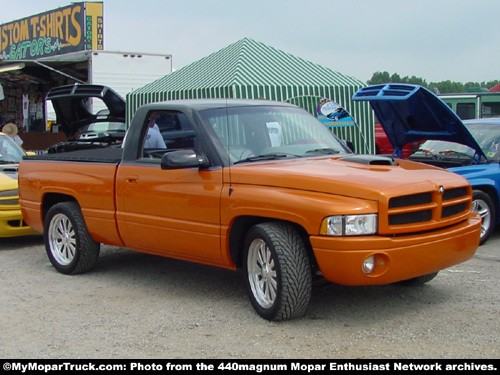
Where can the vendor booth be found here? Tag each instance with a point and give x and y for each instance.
(62, 47)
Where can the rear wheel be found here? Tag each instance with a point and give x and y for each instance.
(278, 281)
(483, 205)
(69, 246)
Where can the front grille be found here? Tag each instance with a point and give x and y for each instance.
(9, 202)
(9, 198)
(410, 200)
(453, 210)
(410, 218)
(454, 193)
(9, 193)
(426, 210)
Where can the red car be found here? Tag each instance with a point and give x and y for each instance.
(383, 145)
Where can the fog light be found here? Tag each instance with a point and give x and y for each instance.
(369, 264)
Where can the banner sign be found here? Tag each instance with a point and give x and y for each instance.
(332, 114)
(76, 27)
(252, 366)
(94, 26)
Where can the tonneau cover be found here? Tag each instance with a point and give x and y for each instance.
(112, 155)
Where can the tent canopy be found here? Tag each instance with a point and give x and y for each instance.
(253, 70)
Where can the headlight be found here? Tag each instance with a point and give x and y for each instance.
(349, 225)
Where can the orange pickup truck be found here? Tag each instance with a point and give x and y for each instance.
(250, 184)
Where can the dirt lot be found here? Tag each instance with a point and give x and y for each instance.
(140, 306)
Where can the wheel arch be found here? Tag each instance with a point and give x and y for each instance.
(51, 199)
(240, 228)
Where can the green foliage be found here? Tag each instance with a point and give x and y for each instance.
(443, 87)
(385, 77)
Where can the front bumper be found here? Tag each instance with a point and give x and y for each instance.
(398, 258)
(12, 224)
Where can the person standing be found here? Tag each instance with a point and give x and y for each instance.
(11, 130)
(154, 138)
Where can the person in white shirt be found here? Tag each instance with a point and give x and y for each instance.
(154, 138)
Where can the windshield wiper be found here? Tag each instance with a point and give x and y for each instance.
(272, 156)
(454, 152)
(425, 151)
(326, 151)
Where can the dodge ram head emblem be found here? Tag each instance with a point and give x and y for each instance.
(441, 190)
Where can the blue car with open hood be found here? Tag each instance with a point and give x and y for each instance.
(471, 148)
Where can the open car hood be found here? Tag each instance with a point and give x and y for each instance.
(72, 112)
(410, 113)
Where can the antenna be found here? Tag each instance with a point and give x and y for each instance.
(228, 146)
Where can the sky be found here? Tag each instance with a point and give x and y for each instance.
(437, 40)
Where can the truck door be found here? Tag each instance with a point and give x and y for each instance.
(170, 212)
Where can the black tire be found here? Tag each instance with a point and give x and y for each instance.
(69, 246)
(278, 272)
(483, 205)
(420, 280)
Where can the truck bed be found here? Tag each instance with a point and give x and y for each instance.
(112, 155)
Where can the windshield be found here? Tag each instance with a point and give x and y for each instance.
(253, 133)
(104, 127)
(10, 152)
(487, 136)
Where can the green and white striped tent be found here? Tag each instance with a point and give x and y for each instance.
(251, 69)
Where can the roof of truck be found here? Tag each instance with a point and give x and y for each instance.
(201, 104)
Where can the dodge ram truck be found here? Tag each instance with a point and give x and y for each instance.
(247, 184)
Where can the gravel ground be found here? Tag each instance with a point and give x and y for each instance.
(141, 306)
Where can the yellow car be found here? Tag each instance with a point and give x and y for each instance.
(11, 219)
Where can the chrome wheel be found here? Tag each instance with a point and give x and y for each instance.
(484, 206)
(262, 274)
(483, 209)
(69, 245)
(62, 239)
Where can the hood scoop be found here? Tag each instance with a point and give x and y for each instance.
(9, 168)
(368, 160)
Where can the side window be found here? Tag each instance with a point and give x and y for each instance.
(490, 109)
(466, 111)
(168, 130)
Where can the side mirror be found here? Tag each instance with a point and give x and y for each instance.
(181, 159)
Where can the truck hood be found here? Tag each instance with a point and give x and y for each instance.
(410, 113)
(72, 112)
(343, 177)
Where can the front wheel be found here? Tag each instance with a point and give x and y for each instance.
(69, 246)
(483, 205)
(278, 271)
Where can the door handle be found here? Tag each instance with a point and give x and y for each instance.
(132, 179)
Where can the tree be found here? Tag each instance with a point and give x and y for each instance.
(379, 78)
(443, 87)
(384, 77)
